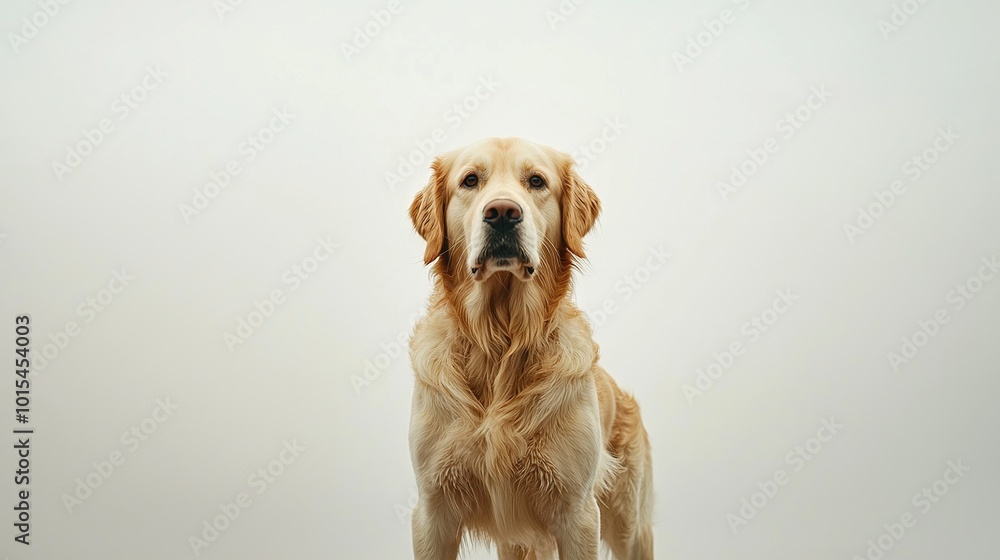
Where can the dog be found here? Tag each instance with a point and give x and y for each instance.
(517, 437)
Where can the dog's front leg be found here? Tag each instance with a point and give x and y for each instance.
(578, 535)
(436, 533)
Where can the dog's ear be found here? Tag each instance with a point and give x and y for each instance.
(427, 211)
(580, 208)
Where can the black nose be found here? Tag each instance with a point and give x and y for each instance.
(502, 213)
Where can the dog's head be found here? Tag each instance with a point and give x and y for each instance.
(504, 205)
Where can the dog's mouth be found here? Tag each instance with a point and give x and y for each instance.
(502, 255)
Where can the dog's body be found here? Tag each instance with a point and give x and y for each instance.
(517, 435)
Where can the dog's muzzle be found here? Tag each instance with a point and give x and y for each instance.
(502, 249)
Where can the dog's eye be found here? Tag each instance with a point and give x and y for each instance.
(536, 182)
(471, 181)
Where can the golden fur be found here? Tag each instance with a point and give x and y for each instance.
(517, 436)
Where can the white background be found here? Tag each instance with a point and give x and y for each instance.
(559, 79)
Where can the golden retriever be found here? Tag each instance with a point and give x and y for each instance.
(517, 436)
